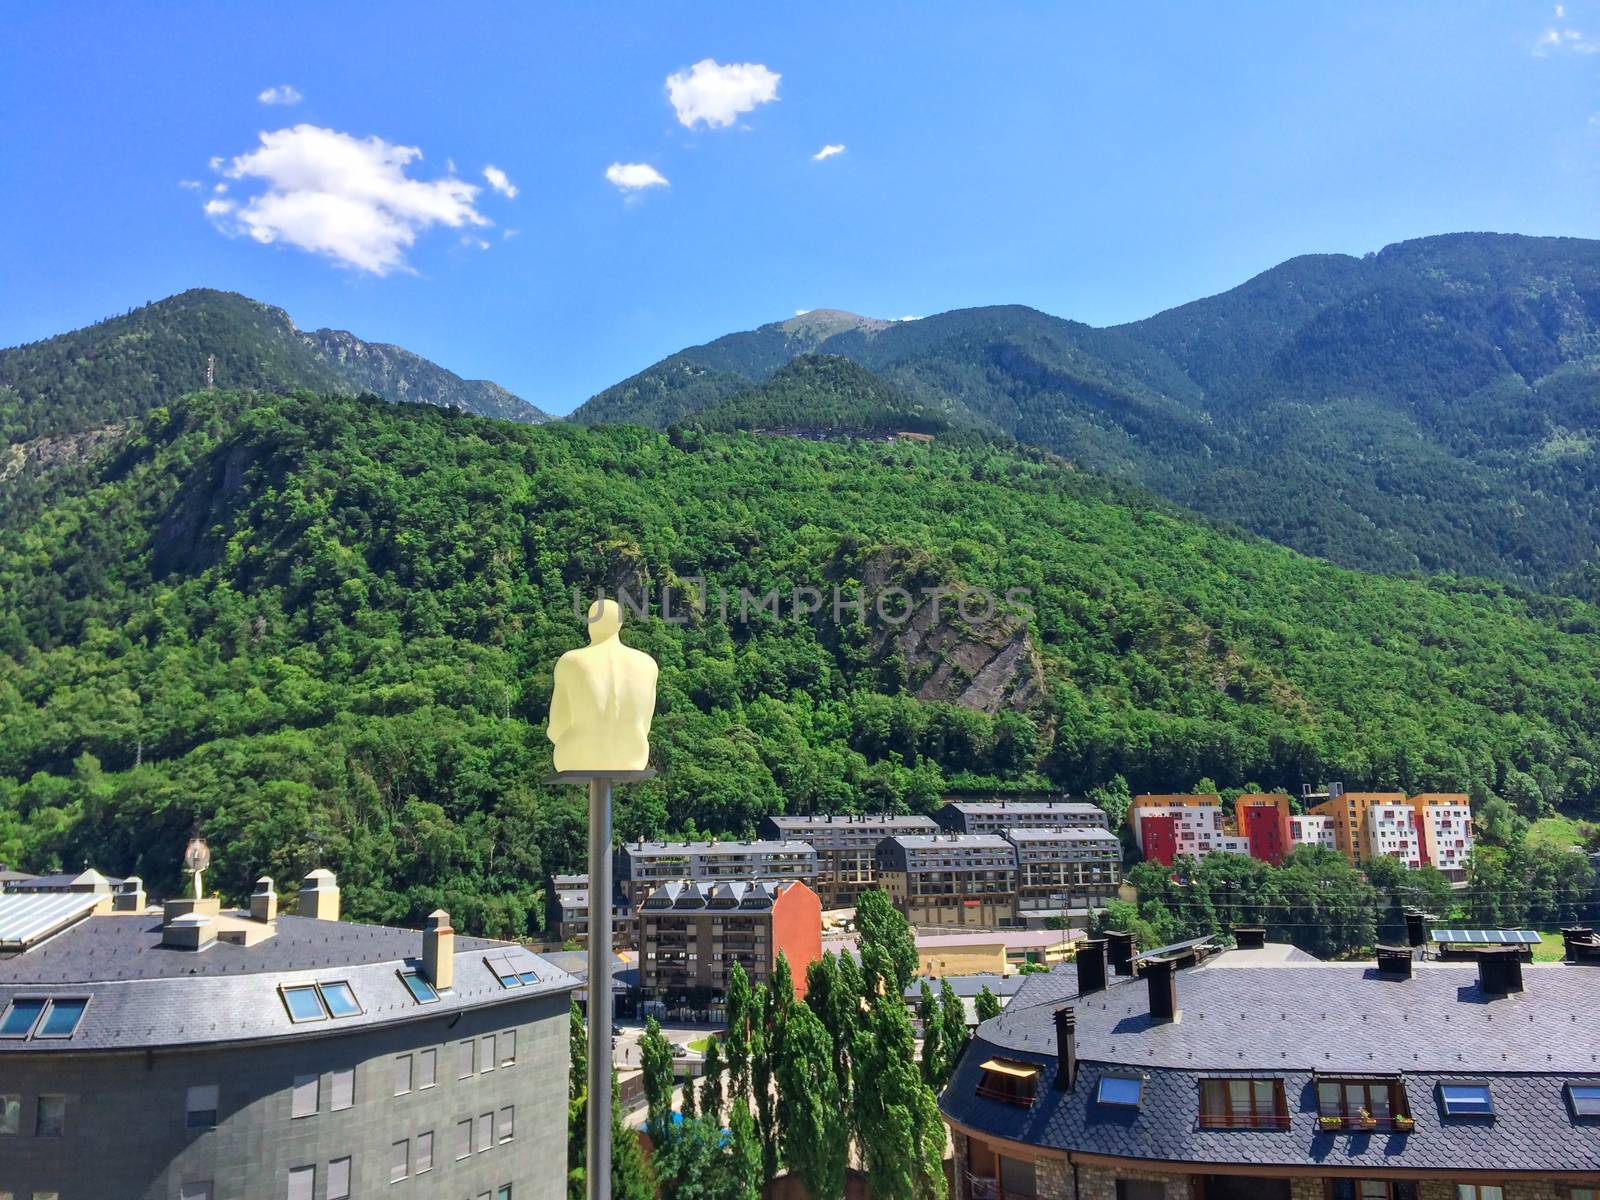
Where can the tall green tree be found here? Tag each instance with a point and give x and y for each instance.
(577, 1100)
(815, 1138)
(763, 1080)
(987, 1004)
(656, 1054)
(688, 1105)
(900, 1132)
(953, 1032)
(740, 999)
(880, 924)
(693, 1163)
(631, 1176)
(744, 1154)
(933, 1057)
(711, 1092)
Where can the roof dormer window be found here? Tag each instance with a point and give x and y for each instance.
(1466, 1098)
(1008, 1081)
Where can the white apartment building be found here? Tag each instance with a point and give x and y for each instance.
(1168, 831)
(1446, 821)
(1308, 830)
(1392, 832)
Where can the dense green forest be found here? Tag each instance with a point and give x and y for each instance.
(1426, 408)
(821, 394)
(127, 365)
(324, 628)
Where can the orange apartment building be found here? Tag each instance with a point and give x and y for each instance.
(692, 932)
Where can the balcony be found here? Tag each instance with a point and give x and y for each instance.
(981, 1187)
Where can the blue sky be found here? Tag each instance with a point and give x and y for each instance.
(1097, 161)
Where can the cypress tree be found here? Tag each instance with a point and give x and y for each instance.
(953, 1018)
(933, 1063)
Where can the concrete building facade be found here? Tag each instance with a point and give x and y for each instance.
(643, 866)
(1002, 813)
(1058, 869)
(845, 846)
(950, 878)
(691, 934)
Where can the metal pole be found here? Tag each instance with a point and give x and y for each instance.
(599, 1144)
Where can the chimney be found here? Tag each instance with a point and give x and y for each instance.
(1120, 949)
(1160, 975)
(1416, 927)
(191, 931)
(439, 951)
(1394, 961)
(1066, 1049)
(1499, 970)
(130, 896)
(319, 896)
(264, 901)
(1249, 937)
(1571, 937)
(1091, 966)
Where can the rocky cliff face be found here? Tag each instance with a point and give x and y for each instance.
(55, 451)
(397, 374)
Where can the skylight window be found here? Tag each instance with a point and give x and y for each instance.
(61, 1021)
(508, 975)
(21, 1017)
(1123, 1090)
(340, 999)
(304, 1004)
(421, 990)
(1584, 1099)
(1466, 1099)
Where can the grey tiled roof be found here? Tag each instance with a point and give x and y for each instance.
(142, 994)
(651, 849)
(1289, 1022)
(995, 807)
(1071, 834)
(914, 841)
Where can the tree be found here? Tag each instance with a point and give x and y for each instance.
(577, 1101)
(953, 1018)
(631, 1177)
(762, 1072)
(884, 926)
(901, 1135)
(658, 1081)
(693, 1163)
(744, 1154)
(687, 1105)
(711, 1094)
(932, 1042)
(988, 1005)
(738, 1039)
(812, 1116)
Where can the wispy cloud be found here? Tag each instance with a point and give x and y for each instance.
(828, 151)
(635, 177)
(909, 318)
(281, 94)
(1564, 39)
(800, 312)
(714, 94)
(349, 199)
(192, 185)
(499, 181)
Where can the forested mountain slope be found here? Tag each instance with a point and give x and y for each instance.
(325, 628)
(128, 365)
(1429, 407)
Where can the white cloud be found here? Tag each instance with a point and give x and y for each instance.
(633, 177)
(500, 182)
(469, 241)
(1555, 41)
(344, 197)
(218, 208)
(800, 312)
(1561, 11)
(192, 185)
(220, 188)
(282, 94)
(910, 318)
(715, 94)
(828, 151)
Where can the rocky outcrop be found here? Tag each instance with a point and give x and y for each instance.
(55, 451)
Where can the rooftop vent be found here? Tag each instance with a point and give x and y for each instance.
(1499, 970)
(1416, 927)
(1395, 961)
(1161, 977)
(1249, 937)
(319, 896)
(130, 896)
(1120, 949)
(1066, 1048)
(191, 931)
(264, 901)
(439, 951)
(1573, 937)
(1091, 966)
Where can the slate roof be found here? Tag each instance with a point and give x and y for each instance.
(690, 895)
(142, 994)
(1290, 1021)
(652, 849)
(959, 841)
(1092, 833)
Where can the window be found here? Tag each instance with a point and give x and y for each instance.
(464, 1059)
(306, 1098)
(1243, 1104)
(504, 1193)
(195, 1191)
(302, 1183)
(402, 1074)
(427, 1068)
(1007, 1081)
(61, 1021)
(50, 1119)
(424, 1152)
(508, 1124)
(344, 1089)
(1577, 1193)
(1480, 1191)
(500, 966)
(485, 1131)
(508, 1047)
(463, 1139)
(200, 1107)
(340, 999)
(304, 1004)
(20, 1018)
(1466, 1099)
(487, 1060)
(1141, 1189)
(421, 990)
(339, 1179)
(1373, 1102)
(400, 1160)
(1584, 1100)
(1124, 1090)
(10, 1114)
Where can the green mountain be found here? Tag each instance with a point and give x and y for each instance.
(131, 364)
(325, 627)
(1429, 407)
(823, 394)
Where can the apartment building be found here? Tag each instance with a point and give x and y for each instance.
(1251, 1078)
(1263, 820)
(1308, 830)
(202, 1054)
(1434, 827)
(1168, 827)
(1444, 824)
(567, 912)
(691, 933)
(950, 878)
(1061, 869)
(641, 867)
(1392, 831)
(1001, 813)
(845, 846)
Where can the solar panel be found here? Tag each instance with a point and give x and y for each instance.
(1487, 937)
(1175, 948)
(27, 917)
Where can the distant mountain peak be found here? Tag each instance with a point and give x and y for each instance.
(825, 322)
